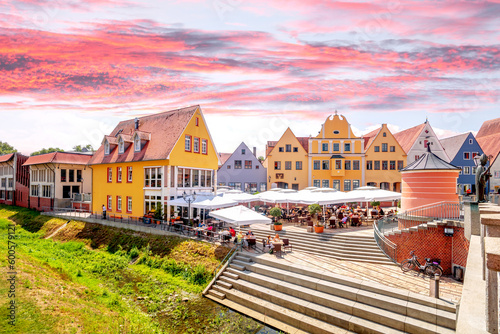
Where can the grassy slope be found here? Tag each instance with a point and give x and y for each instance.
(85, 282)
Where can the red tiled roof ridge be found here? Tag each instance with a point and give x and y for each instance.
(407, 137)
(6, 157)
(489, 127)
(59, 157)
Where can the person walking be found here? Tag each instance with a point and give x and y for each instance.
(103, 211)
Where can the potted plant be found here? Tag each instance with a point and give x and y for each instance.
(276, 212)
(374, 205)
(158, 214)
(314, 209)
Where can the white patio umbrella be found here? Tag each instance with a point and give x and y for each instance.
(241, 197)
(375, 194)
(240, 215)
(215, 203)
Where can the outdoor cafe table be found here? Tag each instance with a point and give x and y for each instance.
(332, 221)
(251, 242)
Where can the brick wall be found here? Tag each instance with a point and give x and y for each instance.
(434, 244)
(40, 203)
(22, 195)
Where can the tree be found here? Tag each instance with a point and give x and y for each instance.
(275, 212)
(47, 150)
(86, 148)
(261, 158)
(5, 148)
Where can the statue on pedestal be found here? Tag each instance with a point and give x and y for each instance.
(482, 177)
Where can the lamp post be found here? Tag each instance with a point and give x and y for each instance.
(189, 199)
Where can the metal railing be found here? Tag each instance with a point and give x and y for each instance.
(381, 226)
(426, 213)
(82, 197)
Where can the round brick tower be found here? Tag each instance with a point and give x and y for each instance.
(427, 181)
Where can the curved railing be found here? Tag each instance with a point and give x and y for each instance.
(381, 226)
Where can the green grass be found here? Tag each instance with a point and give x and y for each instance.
(111, 281)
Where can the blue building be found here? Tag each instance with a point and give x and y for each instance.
(243, 171)
(461, 150)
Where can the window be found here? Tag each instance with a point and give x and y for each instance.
(237, 164)
(277, 165)
(295, 186)
(71, 175)
(316, 183)
(298, 165)
(384, 165)
(325, 184)
(106, 147)
(129, 174)
(250, 187)
(187, 143)
(347, 147)
(243, 151)
(110, 202)
(295, 149)
(355, 164)
(466, 170)
(196, 177)
(392, 165)
(347, 185)
(11, 183)
(34, 190)
(316, 165)
(248, 164)
(256, 166)
(325, 165)
(376, 148)
(118, 203)
(474, 170)
(347, 165)
(137, 143)
(369, 165)
(110, 174)
(384, 147)
(377, 165)
(355, 184)
(400, 164)
(338, 164)
(237, 185)
(417, 157)
(263, 187)
(392, 148)
(280, 149)
(470, 141)
(324, 147)
(496, 175)
(196, 145)
(79, 175)
(204, 145)
(4, 183)
(384, 134)
(129, 204)
(336, 147)
(118, 174)
(336, 184)
(228, 166)
(197, 121)
(230, 185)
(466, 155)
(152, 177)
(288, 148)
(288, 165)
(121, 145)
(151, 202)
(63, 175)
(474, 154)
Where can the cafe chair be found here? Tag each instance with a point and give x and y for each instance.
(286, 244)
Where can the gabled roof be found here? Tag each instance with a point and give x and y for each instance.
(429, 161)
(488, 137)
(453, 144)
(6, 157)
(370, 137)
(223, 157)
(304, 141)
(163, 128)
(59, 158)
(407, 138)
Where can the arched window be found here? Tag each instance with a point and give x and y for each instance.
(121, 145)
(106, 147)
(137, 143)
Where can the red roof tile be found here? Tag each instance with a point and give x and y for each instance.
(59, 158)
(6, 157)
(407, 137)
(223, 157)
(370, 137)
(488, 137)
(161, 131)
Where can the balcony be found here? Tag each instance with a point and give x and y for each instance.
(82, 197)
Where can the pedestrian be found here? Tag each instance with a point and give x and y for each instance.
(103, 211)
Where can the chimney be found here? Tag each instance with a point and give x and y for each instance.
(255, 151)
(136, 123)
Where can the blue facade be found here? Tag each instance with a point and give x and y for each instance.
(464, 158)
(243, 171)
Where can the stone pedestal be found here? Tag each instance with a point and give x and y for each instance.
(472, 221)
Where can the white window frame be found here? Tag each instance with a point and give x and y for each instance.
(129, 174)
(129, 203)
(106, 147)
(121, 145)
(204, 145)
(118, 203)
(196, 145)
(137, 143)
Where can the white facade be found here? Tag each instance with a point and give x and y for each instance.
(419, 147)
(7, 182)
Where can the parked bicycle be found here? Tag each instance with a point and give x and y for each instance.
(430, 268)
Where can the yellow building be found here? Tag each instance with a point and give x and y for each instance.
(336, 156)
(286, 162)
(153, 159)
(384, 159)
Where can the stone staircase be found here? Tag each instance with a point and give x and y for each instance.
(299, 299)
(424, 226)
(338, 246)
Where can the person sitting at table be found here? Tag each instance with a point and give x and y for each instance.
(239, 237)
(344, 221)
(232, 232)
(249, 233)
(202, 224)
(380, 211)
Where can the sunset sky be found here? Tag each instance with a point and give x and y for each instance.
(71, 69)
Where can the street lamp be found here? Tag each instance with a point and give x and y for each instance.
(189, 199)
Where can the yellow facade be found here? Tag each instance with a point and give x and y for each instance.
(336, 157)
(287, 163)
(155, 182)
(384, 159)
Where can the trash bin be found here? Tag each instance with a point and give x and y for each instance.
(147, 220)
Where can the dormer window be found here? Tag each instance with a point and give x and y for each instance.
(137, 143)
(106, 147)
(121, 145)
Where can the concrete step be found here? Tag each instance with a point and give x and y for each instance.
(216, 294)
(242, 258)
(236, 265)
(324, 237)
(230, 275)
(225, 284)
